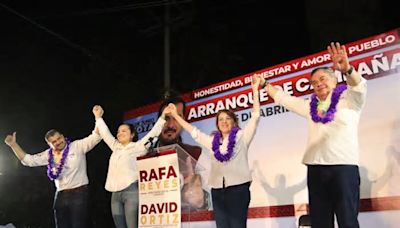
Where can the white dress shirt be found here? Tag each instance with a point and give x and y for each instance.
(336, 142)
(74, 173)
(236, 170)
(122, 170)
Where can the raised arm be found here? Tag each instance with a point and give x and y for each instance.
(155, 130)
(251, 126)
(38, 159)
(271, 90)
(187, 126)
(255, 83)
(341, 63)
(294, 104)
(102, 127)
(86, 144)
(357, 85)
(11, 141)
(195, 133)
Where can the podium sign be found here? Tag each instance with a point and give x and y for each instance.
(159, 190)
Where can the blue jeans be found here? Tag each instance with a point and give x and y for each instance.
(71, 208)
(334, 189)
(124, 207)
(231, 205)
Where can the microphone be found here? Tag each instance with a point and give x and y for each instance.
(150, 146)
(149, 143)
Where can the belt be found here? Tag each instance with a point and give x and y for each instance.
(78, 189)
(232, 186)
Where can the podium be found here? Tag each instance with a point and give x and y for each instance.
(170, 187)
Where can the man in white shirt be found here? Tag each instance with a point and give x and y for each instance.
(331, 156)
(66, 165)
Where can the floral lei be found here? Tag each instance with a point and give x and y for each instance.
(330, 113)
(52, 167)
(231, 144)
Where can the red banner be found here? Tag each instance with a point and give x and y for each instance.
(370, 67)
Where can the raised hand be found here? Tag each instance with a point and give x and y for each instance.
(255, 81)
(166, 111)
(98, 111)
(262, 80)
(339, 57)
(11, 140)
(173, 110)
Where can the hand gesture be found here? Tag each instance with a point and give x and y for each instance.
(170, 109)
(98, 111)
(166, 111)
(339, 57)
(256, 81)
(11, 140)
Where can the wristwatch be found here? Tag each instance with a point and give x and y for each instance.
(264, 84)
(349, 71)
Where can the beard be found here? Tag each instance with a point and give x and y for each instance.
(164, 141)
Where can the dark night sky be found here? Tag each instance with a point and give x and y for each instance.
(110, 52)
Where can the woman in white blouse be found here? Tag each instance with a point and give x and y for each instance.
(230, 176)
(122, 172)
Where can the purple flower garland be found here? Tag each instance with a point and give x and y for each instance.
(231, 144)
(52, 165)
(330, 113)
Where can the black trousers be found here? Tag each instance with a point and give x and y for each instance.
(333, 190)
(230, 205)
(71, 208)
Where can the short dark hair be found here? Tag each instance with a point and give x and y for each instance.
(50, 133)
(133, 131)
(173, 100)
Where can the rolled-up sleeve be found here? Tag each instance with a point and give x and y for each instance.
(39, 159)
(357, 94)
(86, 144)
